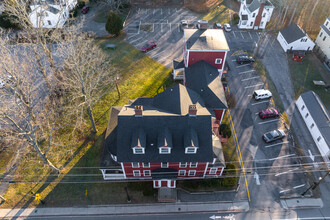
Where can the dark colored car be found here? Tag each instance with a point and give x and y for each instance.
(269, 113)
(148, 46)
(217, 26)
(244, 59)
(85, 9)
(273, 135)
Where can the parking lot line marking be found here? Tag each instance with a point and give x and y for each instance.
(246, 71)
(170, 27)
(154, 11)
(296, 187)
(242, 34)
(161, 27)
(136, 40)
(255, 77)
(243, 65)
(178, 27)
(139, 28)
(233, 60)
(168, 63)
(234, 34)
(153, 27)
(257, 35)
(260, 102)
(264, 122)
(279, 174)
(282, 157)
(161, 11)
(158, 53)
(260, 84)
(257, 113)
(276, 144)
(133, 35)
(250, 35)
(285, 190)
(143, 42)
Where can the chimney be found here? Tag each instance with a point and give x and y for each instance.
(192, 110)
(138, 110)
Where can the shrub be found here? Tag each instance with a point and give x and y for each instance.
(235, 18)
(80, 4)
(114, 24)
(231, 100)
(225, 130)
(6, 21)
(229, 171)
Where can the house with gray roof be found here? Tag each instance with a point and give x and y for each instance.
(317, 119)
(293, 37)
(255, 14)
(323, 42)
(163, 139)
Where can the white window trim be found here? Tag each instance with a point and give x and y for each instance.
(184, 172)
(192, 171)
(161, 164)
(146, 166)
(195, 150)
(191, 164)
(134, 150)
(136, 171)
(217, 61)
(182, 165)
(145, 171)
(213, 170)
(138, 165)
(167, 148)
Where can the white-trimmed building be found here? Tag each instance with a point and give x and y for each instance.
(50, 13)
(317, 119)
(293, 37)
(254, 14)
(323, 41)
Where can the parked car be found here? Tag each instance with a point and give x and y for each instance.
(262, 94)
(85, 9)
(217, 26)
(184, 24)
(148, 46)
(273, 135)
(241, 59)
(269, 113)
(227, 27)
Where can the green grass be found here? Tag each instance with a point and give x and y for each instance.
(303, 74)
(102, 15)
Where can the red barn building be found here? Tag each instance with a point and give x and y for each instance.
(163, 139)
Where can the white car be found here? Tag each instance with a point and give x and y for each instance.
(227, 27)
(262, 94)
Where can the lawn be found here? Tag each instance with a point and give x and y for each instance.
(102, 15)
(139, 76)
(304, 73)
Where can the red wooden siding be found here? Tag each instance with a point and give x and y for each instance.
(208, 56)
(218, 114)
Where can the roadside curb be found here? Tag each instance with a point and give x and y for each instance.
(302, 203)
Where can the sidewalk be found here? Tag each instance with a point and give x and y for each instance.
(159, 208)
(301, 203)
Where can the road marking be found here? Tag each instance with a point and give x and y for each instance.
(246, 71)
(260, 102)
(255, 77)
(138, 10)
(178, 27)
(279, 174)
(243, 65)
(282, 157)
(260, 84)
(250, 35)
(264, 122)
(257, 113)
(143, 42)
(296, 187)
(233, 60)
(285, 190)
(139, 28)
(170, 27)
(161, 27)
(131, 36)
(163, 58)
(161, 11)
(153, 56)
(234, 34)
(257, 35)
(242, 34)
(311, 155)
(136, 40)
(276, 144)
(154, 11)
(256, 176)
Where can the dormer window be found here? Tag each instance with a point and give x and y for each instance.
(191, 150)
(138, 150)
(164, 150)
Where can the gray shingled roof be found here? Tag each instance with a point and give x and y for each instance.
(255, 4)
(205, 80)
(209, 39)
(319, 113)
(178, 64)
(292, 33)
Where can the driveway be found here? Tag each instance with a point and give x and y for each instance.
(90, 25)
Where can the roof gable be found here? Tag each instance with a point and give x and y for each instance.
(292, 33)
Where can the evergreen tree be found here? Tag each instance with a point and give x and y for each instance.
(114, 24)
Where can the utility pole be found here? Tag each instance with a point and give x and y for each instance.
(316, 184)
(116, 81)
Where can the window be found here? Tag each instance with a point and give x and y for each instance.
(164, 165)
(251, 23)
(264, 15)
(193, 164)
(319, 138)
(192, 173)
(302, 40)
(164, 150)
(146, 165)
(254, 14)
(138, 150)
(312, 125)
(49, 23)
(218, 61)
(213, 170)
(146, 173)
(326, 24)
(321, 33)
(191, 150)
(306, 115)
(182, 165)
(302, 108)
(135, 165)
(136, 173)
(182, 172)
(324, 38)
(261, 24)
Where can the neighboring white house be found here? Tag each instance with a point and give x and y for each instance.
(50, 13)
(294, 38)
(254, 14)
(317, 120)
(323, 41)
